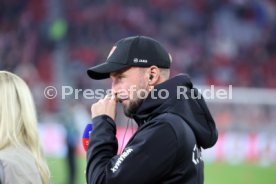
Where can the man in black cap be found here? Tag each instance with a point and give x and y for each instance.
(171, 131)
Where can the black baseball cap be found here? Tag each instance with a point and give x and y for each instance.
(139, 51)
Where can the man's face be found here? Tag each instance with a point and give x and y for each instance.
(130, 85)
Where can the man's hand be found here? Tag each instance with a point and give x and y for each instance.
(105, 106)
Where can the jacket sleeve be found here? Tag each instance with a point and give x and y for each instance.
(148, 157)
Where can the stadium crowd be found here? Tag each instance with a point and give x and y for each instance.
(215, 42)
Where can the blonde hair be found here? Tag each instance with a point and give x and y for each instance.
(18, 121)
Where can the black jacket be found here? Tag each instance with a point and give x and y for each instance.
(166, 149)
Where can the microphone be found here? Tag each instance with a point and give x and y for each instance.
(85, 136)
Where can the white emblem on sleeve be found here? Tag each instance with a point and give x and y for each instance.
(121, 159)
(196, 156)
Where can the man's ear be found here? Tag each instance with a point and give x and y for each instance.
(153, 75)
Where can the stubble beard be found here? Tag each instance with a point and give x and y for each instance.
(134, 104)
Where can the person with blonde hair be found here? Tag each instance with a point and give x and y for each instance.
(21, 159)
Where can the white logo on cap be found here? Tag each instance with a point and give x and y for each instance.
(111, 51)
(170, 56)
(136, 60)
